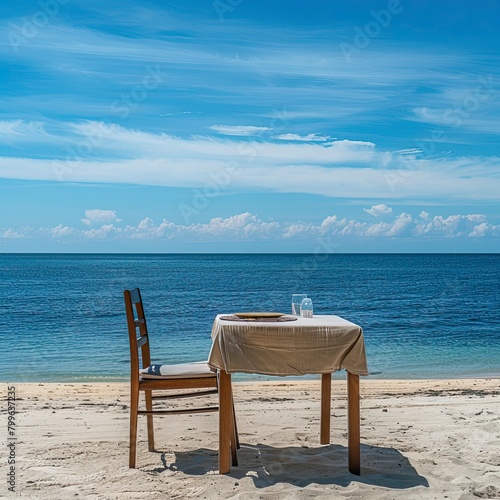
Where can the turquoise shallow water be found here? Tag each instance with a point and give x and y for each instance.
(424, 316)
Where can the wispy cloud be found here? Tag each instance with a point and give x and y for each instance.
(453, 118)
(110, 153)
(176, 114)
(10, 233)
(241, 130)
(304, 138)
(242, 75)
(21, 130)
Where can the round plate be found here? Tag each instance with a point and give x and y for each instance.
(259, 315)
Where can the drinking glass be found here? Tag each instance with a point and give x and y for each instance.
(297, 299)
(306, 308)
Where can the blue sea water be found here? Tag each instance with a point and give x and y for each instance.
(423, 315)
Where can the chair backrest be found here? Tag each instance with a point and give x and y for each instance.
(137, 331)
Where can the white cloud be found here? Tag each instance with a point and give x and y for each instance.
(350, 169)
(453, 226)
(178, 113)
(249, 227)
(303, 138)
(401, 225)
(147, 229)
(482, 230)
(105, 231)
(146, 223)
(352, 228)
(61, 231)
(96, 216)
(424, 215)
(404, 225)
(432, 116)
(457, 115)
(241, 130)
(300, 231)
(20, 129)
(12, 234)
(241, 226)
(378, 210)
(408, 151)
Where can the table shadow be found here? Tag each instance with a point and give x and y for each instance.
(301, 466)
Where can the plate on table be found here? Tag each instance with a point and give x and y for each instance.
(258, 315)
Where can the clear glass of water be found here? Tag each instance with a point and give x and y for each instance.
(306, 308)
(297, 299)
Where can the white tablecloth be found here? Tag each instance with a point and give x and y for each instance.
(322, 344)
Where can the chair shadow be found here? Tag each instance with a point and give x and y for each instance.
(300, 466)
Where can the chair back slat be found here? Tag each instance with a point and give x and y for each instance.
(141, 341)
(135, 295)
(138, 331)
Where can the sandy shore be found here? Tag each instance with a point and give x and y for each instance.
(420, 439)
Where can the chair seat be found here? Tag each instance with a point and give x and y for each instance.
(180, 370)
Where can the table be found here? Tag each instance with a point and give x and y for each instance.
(319, 345)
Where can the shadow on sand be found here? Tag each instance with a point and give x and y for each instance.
(300, 466)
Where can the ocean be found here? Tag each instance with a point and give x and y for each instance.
(62, 316)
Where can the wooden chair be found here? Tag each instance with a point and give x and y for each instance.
(158, 377)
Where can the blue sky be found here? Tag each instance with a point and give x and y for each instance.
(249, 126)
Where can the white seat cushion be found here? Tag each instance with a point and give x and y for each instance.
(181, 370)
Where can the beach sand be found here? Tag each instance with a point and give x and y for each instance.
(419, 440)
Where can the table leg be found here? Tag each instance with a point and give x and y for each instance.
(225, 421)
(353, 425)
(326, 405)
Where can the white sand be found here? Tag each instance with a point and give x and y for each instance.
(433, 439)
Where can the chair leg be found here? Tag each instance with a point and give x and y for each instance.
(236, 437)
(149, 407)
(234, 453)
(134, 407)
